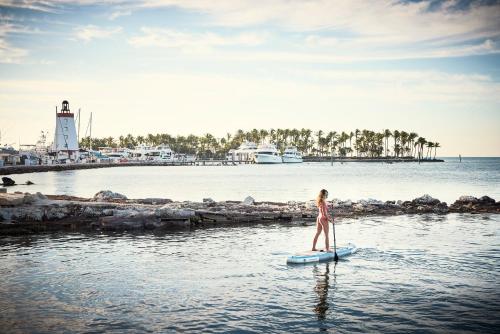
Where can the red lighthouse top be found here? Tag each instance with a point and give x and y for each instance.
(65, 112)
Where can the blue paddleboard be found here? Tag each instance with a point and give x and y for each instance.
(317, 256)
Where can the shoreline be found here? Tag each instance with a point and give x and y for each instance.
(20, 169)
(25, 213)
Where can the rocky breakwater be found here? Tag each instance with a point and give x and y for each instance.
(27, 213)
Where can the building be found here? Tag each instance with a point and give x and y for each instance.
(65, 146)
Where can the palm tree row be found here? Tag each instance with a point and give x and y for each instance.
(358, 143)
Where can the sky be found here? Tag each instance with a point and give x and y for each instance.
(197, 66)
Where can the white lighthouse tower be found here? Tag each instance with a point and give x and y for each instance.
(65, 140)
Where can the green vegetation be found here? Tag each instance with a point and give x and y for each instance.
(358, 143)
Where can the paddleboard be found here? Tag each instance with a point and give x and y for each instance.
(317, 256)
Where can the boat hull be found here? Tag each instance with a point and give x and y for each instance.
(268, 159)
(292, 160)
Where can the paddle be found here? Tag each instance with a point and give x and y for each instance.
(336, 257)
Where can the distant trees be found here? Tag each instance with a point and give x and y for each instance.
(358, 143)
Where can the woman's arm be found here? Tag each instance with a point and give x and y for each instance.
(330, 218)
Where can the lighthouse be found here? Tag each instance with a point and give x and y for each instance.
(65, 140)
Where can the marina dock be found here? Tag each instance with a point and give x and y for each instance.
(20, 169)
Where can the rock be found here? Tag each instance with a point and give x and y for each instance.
(371, 201)
(29, 183)
(467, 199)
(3, 190)
(208, 200)
(153, 201)
(106, 195)
(399, 202)
(40, 196)
(164, 211)
(184, 213)
(487, 200)
(124, 223)
(7, 181)
(249, 201)
(310, 205)
(426, 200)
(358, 207)
(11, 199)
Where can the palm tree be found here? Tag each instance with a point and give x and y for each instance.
(436, 145)
(430, 145)
(396, 138)
(421, 142)
(387, 135)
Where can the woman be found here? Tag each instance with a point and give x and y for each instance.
(322, 220)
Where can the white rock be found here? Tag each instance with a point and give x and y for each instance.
(371, 201)
(105, 195)
(184, 213)
(249, 200)
(310, 205)
(426, 199)
(466, 198)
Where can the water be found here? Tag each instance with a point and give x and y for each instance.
(412, 274)
(446, 181)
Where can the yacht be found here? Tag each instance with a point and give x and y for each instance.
(267, 154)
(245, 152)
(153, 153)
(291, 155)
(166, 154)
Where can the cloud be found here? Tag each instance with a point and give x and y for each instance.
(119, 13)
(8, 53)
(384, 22)
(90, 32)
(168, 38)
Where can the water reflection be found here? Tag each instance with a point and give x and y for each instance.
(321, 289)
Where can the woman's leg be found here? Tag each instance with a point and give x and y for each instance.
(319, 227)
(325, 227)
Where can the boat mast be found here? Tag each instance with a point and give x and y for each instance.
(90, 137)
(78, 136)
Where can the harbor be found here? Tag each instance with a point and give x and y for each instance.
(72, 149)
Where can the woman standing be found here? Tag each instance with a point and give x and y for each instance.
(322, 220)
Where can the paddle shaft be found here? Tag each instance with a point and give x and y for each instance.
(336, 257)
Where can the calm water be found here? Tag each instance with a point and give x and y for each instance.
(446, 181)
(412, 274)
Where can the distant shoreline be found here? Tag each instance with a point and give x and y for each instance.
(355, 159)
(19, 169)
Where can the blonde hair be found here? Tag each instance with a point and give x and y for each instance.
(321, 196)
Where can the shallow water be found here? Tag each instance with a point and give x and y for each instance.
(412, 274)
(399, 181)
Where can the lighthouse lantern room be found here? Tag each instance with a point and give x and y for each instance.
(65, 139)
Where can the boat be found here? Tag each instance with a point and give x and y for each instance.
(245, 152)
(166, 153)
(291, 155)
(161, 153)
(267, 154)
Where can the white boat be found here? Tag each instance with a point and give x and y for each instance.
(245, 152)
(166, 153)
(291, 155)
(267, 154)
(160, 153)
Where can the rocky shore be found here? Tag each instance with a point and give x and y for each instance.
(30, 213)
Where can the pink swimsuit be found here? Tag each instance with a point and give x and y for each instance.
(323, 211)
